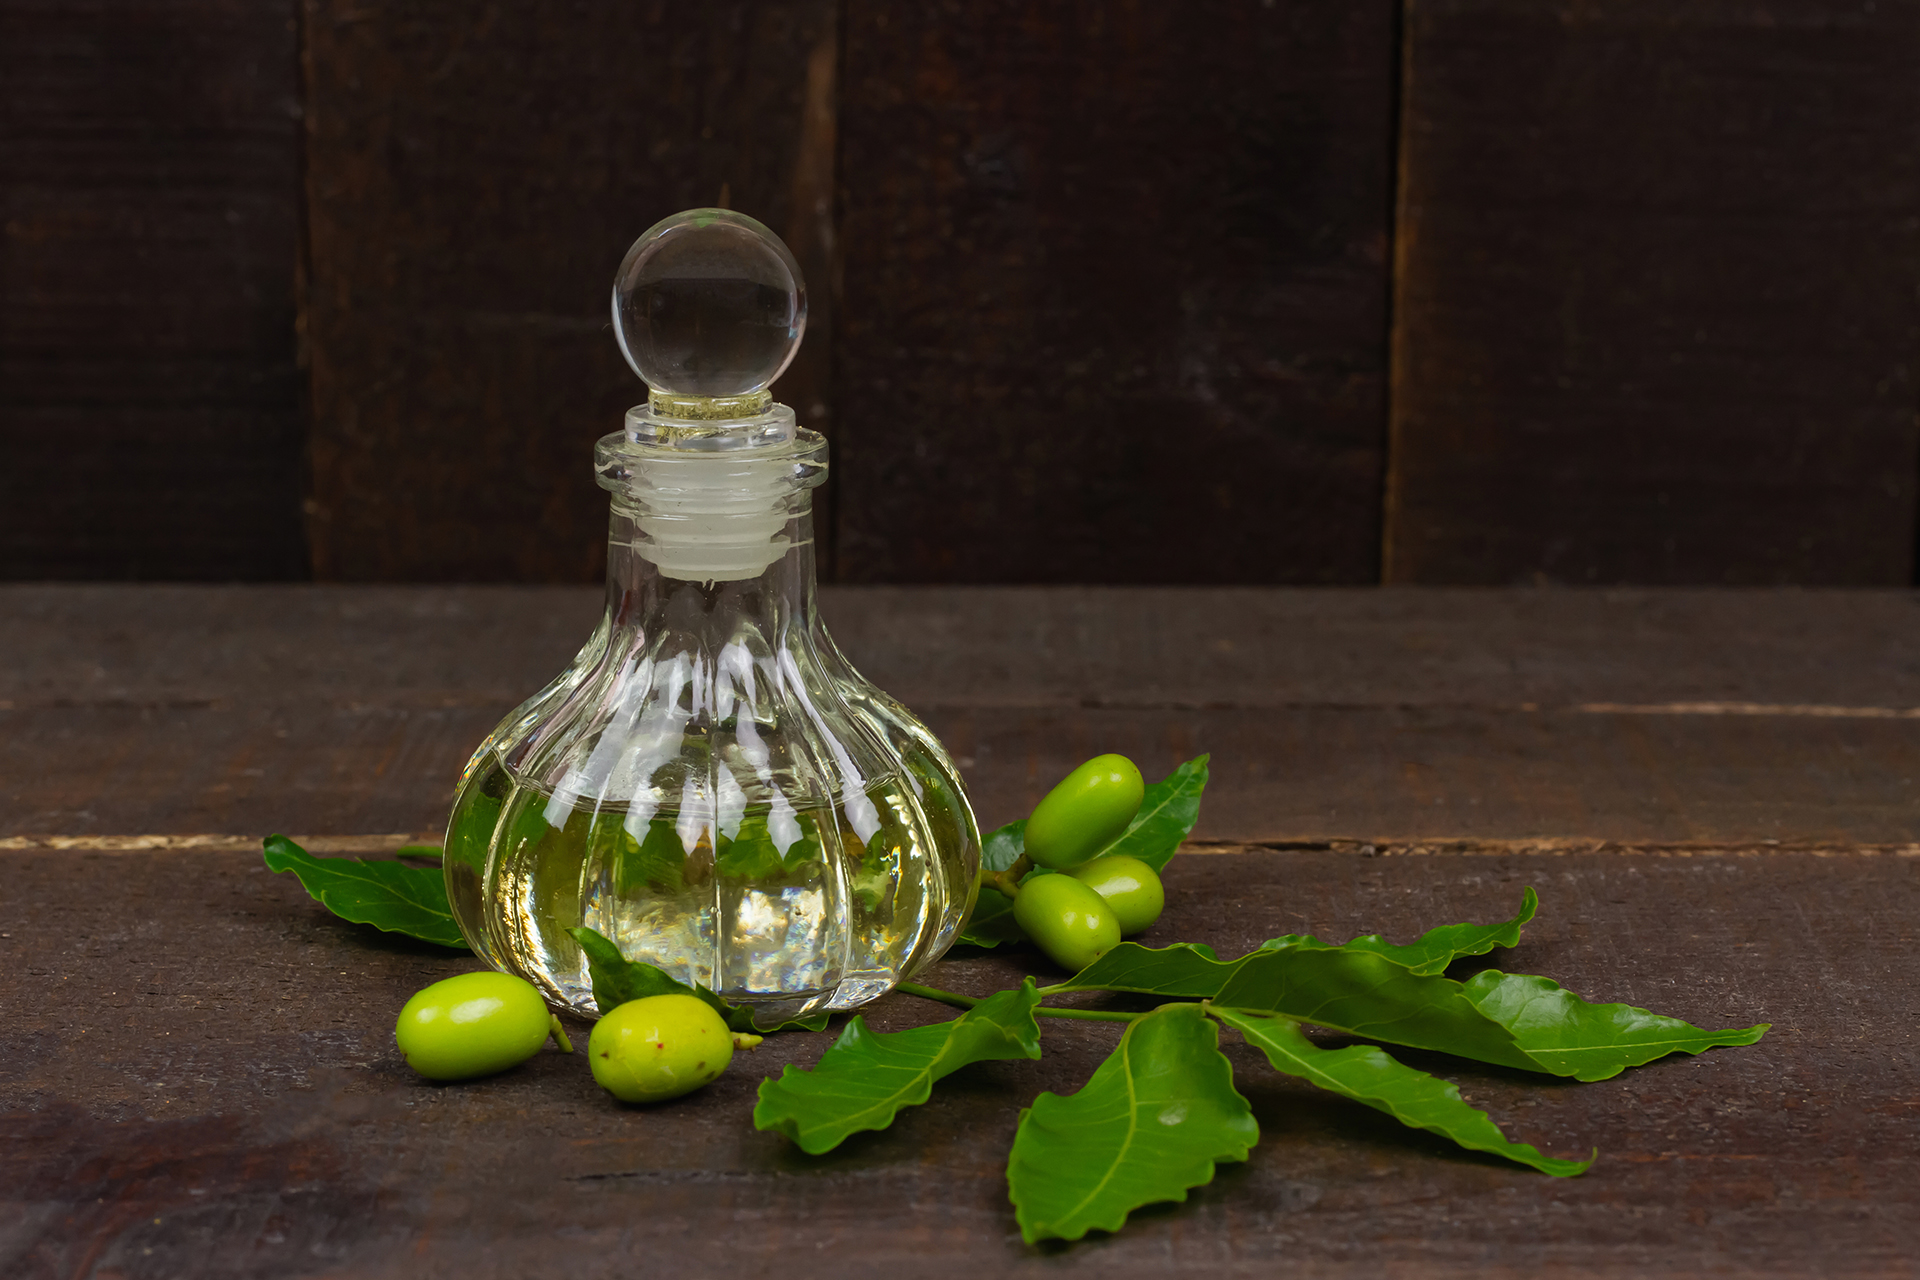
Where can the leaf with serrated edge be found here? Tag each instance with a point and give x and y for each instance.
(1153, 1121)
(1183, 969)
(1365, 995)
(1508, 1019)
(1436, 948)
(387, 895)
(1570, 1037)
(868, 1077)
(1168, 810)
(1190, 969)
(617, 980)
(1367, 1075)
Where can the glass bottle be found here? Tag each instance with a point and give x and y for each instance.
(710, 783)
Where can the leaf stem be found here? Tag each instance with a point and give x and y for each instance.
(1087, 1015)
(1008, 881)
(959, 1001)
(953, 998)
(558, 1033)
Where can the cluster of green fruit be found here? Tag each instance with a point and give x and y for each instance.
(645, 1050)
(659, 1047)
(1077, 916)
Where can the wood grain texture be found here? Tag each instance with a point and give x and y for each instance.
(1658, 293)
(1114, 291)
(1672, 716)
(1737, 651)
(1286, 776)
(474, 177)
(197, 1077)
(150, 404)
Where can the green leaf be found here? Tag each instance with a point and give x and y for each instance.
(992, 921)
(867, 1077)
(1004, 846)
(1190, 969)
(655, 863)
(1436, 948)
(387, 895)
(475, 819)
(1570, 1037)
(1509, 1019)
(1168, 811)
(1367, 1075)
(1153, 1121)
(1368, 995)
(617, 980)
(751, 853)
(1183, 969)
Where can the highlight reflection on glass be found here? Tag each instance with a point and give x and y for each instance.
(710, 783)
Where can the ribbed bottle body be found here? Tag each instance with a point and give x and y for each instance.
(715, 789)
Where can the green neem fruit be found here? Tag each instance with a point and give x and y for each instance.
(1084, 814)
(659, 1047)
(472, 1025)
(1069, 921)
(1131, 888)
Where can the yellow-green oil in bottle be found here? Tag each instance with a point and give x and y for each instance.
(786, 909)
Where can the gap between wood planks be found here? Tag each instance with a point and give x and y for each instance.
(1552, 846)
(1789, 710)
(1813, 710)
(379, 842)
(1401, 847)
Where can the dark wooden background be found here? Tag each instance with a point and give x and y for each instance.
(1446, 291)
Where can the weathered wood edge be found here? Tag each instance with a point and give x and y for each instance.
(379, 842)
(1545, 846)
(1555, 846)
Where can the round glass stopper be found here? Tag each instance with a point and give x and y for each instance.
(709, 303)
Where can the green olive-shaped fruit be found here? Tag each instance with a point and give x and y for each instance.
(1069, 921)
(659, 1047)
(1084, 814)
(1130, 886)
(472, 1025)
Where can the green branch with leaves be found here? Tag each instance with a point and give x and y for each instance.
(1161, 1112)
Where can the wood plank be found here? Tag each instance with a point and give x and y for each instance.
(369, 842)
(1113, 278)
(1658, 289)
(1638, 716)
(1287, 776)
(251, 771)
(197, 1078)
(150, 403)
(264, 646)
(1056, 647)
(1405, 647)
(1297, 775)
(473, 183)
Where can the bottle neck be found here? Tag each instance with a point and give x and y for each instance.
(709, 514)
(702, 539)
(644, 599)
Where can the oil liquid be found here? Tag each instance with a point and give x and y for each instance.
(786, 909)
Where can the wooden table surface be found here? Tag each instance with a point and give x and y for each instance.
(1713, 793)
